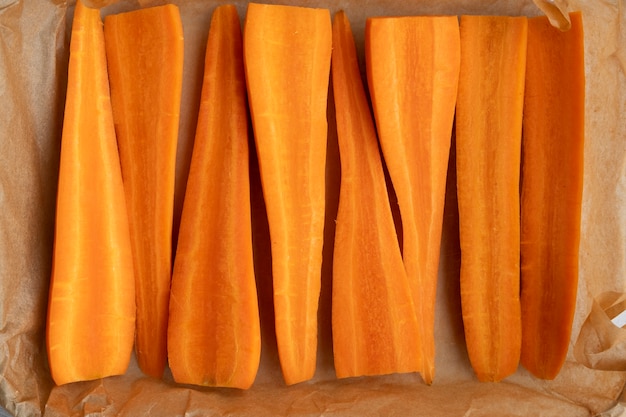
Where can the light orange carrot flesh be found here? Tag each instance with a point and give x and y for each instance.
(287, 61)
(145, 57)
(374, 320)
(552, 183)
(413, 70)
(488, 143)
(214, 335)
(91, 310)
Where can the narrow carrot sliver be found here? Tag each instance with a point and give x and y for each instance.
(373, 316)
(214, 333)
(413, 70)
(145, 57)
(91, 309)
(552, 183)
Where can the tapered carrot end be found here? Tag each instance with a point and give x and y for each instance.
(428, 374)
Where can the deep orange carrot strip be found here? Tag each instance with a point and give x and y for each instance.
(552, 182)
(488, 144)
(145, 58)
(287, 60)
(214, 334)
(413, 71)
(91, 310)
(374, 322)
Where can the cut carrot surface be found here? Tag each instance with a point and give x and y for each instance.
(552, 182)
(488, 145)
(214, 335)
(413, 71)
(287, 61)
(91, 310)
(145, 57)
(259, 272)
(374, 321)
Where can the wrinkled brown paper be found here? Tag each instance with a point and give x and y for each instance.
(33, 63)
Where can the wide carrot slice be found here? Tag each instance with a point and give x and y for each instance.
(214, 333)
(91, 309)
(145, 58)
(488, 145)
(375, 328)
(413, 71)
(287, 61)
(552, 183)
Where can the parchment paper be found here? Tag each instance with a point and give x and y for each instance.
(34, 39)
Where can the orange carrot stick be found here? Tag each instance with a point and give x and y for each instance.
(488, 144)
(287, 61)
(413, 72)
(91, 309)
(145, 58)
(374, 321)
(552, 181)
(214, 334)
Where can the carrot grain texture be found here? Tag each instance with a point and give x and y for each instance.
(375, 327)
(145, 58)
(91, 309)
(287, 53)
(214, 334)
(413, 71)
(488, 144)
(552, 184)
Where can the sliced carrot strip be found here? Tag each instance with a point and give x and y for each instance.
(91, 309)
(374, 321)
(488, 145)
(145, 57)
(413, 71)
(287, 61)
(552, 184)
(214, 334)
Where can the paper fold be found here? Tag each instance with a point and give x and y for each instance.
(556, 11)
(602, 345)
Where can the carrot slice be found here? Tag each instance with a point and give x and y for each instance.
(214, 333)
(552, 183)
(413, 71)
(91, 309)
(488, 144)
(373, 317)
(287, 61)
(145, 58)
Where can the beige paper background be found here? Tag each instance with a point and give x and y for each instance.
(33, 63)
